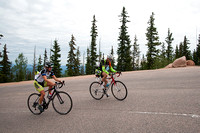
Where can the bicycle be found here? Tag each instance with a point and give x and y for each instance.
(61, 101)
(118, 88)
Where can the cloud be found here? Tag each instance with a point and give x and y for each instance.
(26, 23)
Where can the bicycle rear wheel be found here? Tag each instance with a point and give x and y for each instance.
(119, 90)
(62, 103)
(33, 102)
(96, 91)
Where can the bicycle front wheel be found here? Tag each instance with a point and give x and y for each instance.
(62, 103)
(119, 90)
(33, 103)
(96, 91)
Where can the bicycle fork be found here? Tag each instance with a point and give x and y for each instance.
(59, 98)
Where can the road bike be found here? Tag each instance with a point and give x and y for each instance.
(118, 88)
(61, 101)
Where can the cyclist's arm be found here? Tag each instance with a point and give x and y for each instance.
(112, 70)
(104, 69)
(48, 81)
(55, 78)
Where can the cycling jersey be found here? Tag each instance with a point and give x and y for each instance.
(43, 72)
(103, 65)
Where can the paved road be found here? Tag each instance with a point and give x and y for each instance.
(159, 101)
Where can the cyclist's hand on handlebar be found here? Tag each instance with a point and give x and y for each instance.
(119, 72)
(62, 82)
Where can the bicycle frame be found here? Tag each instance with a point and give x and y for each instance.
(61, 101)
(46, 104)
(118, 88)
(112, 79)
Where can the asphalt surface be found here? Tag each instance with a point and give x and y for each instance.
(158, 101)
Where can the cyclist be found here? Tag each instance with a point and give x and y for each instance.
(42, 80)
(101, 69)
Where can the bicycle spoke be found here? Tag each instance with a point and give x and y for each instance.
(119, 90)
(33, 102)
(96, 91)
(62, 103)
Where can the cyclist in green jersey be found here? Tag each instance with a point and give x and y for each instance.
(101, 69)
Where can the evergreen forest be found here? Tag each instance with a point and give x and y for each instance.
(159, 53)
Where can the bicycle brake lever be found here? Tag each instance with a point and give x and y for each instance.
(119, 74)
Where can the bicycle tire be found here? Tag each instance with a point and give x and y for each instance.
(96, 91)
(117, 88)
(59, 100)
(32, 103)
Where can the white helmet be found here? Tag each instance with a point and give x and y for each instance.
(48, 64)
(110, 57)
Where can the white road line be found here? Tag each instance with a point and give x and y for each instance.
(161, 113)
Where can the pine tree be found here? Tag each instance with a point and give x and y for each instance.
(45, 57)
(77, 62)
(55, 59)
(124, 45)
(112, 54)
(20, 67)
(198, 52)
(88, 64)
(5, 67)
(176, 52)
(71, 57)
(195, 58)
(143, 63)
(169, 51)
(136, 54)
(39, 65)
(186, 51)
(163, 56)
(1, 36)
(153, 42)
(180, 50)
(93, 49)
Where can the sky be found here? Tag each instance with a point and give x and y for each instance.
(27, 23)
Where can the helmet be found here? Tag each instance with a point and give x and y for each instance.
(48, 64)
(110, 57)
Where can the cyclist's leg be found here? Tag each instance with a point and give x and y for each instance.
(42, 96)
(50, 85)
(40, 89)
(104, 76)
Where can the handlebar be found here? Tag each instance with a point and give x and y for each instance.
(60, 84)
(117, 74)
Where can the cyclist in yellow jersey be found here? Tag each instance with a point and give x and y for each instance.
(41, 81)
